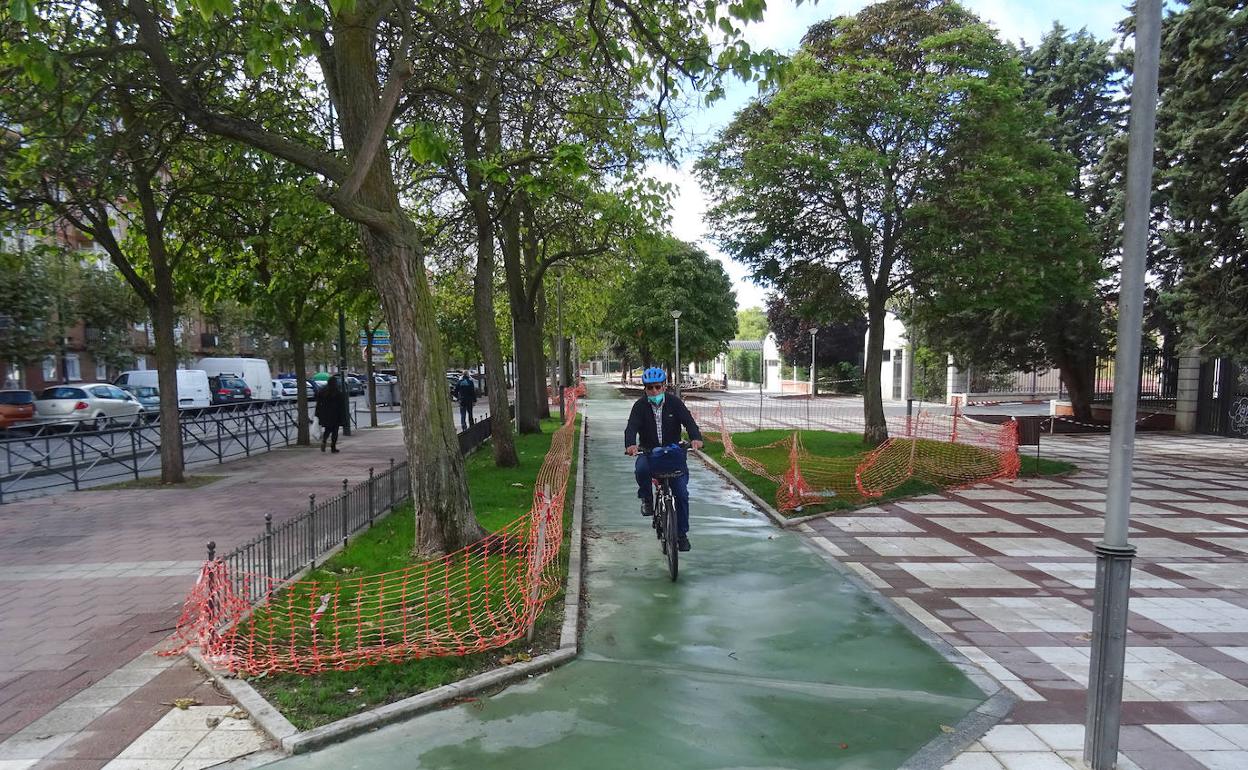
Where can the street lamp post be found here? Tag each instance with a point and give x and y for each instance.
(812, 362)
(676, 374)
(342, 372)
(1114, 553)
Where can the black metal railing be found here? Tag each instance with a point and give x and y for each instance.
(1159, 379)
(283, 550)
(51, 456)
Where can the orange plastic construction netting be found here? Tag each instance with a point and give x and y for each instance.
(942, 447)
(478, 598)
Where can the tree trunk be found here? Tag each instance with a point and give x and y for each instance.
(528, 410)
(294, 330)
(876, 430)
(539, 347)
(172, 464)
(1078, 375)
(392, 243)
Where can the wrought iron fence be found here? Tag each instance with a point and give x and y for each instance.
(1047, 382)
(68, 455)
(283, 550)
(1159, 379)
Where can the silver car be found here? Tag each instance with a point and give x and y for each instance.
(97, 403)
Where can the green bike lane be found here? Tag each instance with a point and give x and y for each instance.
(761, 656)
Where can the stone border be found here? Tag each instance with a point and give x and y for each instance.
(280, 729)
(999, 701)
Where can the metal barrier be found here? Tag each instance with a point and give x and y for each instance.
(56, 455)
(282, 551)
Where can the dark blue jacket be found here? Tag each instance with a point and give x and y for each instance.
(466, 392)
(641, 431)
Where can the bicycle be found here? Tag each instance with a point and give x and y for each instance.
(667, 463)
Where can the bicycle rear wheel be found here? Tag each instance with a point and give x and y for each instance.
(670, 537)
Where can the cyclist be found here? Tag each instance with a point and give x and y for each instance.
(656, 421)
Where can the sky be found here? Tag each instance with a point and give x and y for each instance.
(782, 28)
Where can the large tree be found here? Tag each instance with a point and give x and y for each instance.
(882, 119)
(367, 53)
(668, 275)
(1202, 200)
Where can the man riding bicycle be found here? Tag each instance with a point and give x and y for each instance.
(656, 421)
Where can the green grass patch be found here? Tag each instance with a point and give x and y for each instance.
(154, 482)
(936, 464)
(499, 496)
(1034, 466)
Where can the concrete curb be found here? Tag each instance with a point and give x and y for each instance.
(286, 735)
(943, 748)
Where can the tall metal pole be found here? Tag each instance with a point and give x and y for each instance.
(1114, 554)
(342, 372)
(812, 362)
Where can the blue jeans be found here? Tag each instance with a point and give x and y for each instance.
(465, 415)
(680, 490)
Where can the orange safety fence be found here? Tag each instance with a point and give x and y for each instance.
(552, 394)
(481, 597)
(939, 446)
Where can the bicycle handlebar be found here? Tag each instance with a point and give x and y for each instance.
(685, 445)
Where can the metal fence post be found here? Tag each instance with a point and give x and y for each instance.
(73, 462)
(268, 545)
(371, 509)
(220, 456)
(311, 532)
(391, 482)
(342, 505)
(134, 450)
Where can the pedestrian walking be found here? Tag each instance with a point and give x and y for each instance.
(331, 408)
(466, 392)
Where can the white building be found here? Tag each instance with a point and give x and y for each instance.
(897, 366)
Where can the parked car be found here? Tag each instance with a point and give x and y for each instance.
(229, 390)
(193, 392)
(16, 408)
(289, 388)
(97, 403)
(254, 371)
(355, 386)
(147, 396)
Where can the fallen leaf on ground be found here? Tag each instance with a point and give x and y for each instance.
(946, 729)
(184, 703)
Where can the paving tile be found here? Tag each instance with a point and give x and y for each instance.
(912, 546)
(978, 524)
(1001, 738)
(964, 575)
(1189, 524)
(980, 760)
(1031, 760)
(1222, 575)
(1193, 615)
(855, 524)
(1013, 614)
(1083, 575)
(1033, 546)
(1222, 760)
(1038, 508)
(1192, 737)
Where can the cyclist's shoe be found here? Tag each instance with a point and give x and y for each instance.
(683, 543)
(647, 508)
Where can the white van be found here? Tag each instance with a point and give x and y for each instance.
(193, 390)
(254, 371)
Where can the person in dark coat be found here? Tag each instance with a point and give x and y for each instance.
(466, 393)
(656, 420)
(331, 409)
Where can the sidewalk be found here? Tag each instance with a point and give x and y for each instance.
(1005, 572)
(91, 580)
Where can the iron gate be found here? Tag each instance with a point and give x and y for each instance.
(1222, 409)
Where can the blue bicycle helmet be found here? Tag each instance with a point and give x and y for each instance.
(653, 375)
